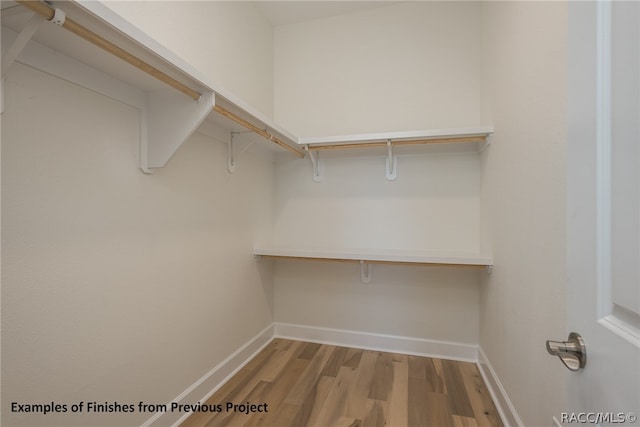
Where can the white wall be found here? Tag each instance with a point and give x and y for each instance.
(119, 286)
(523, 201)
(230, 42)
(412, 65)
(418, 302)
(432, 205)
(409, 66)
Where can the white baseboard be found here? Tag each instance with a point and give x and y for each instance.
(210, 382)
(379, 342)
(507, 411)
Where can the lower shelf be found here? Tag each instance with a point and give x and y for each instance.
(366, 257)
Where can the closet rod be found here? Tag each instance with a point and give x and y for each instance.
(263, 133)
(49, 13)
(407, 142)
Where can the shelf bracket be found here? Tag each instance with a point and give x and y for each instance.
(488, 269)
(231, 152)
(392, 163)
(486, 144)
(231, 162)
(18, 45)
(316, 165)
(365, 271)
(21, 41)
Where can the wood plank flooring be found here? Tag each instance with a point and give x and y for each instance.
(316, 385)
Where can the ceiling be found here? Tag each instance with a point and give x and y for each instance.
(289, 12)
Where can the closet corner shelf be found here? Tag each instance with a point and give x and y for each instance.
(371, 256)
(478, 134)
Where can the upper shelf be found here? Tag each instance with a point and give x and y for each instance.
(433, 136)
(478, 136)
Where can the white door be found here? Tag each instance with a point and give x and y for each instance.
(603, 245)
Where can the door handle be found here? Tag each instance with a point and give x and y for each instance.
(572, 352)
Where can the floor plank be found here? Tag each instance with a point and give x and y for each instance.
(456, 391)
(399, 394)
(382, 377)
(334, 408)
(309, 377)
(438, 412)
(484, 411)
(310, 384)
(417, 409)
(359, 393)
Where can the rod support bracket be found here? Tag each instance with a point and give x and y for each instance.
(234, 153)
(486, 144)
(58, 17)
(365, 272)
(231, 162)
(316, 164)
(392, 163)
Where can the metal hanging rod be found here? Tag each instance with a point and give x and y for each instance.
(384, 144)
(49, 13)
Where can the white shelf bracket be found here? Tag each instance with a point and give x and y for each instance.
(144, 141)
(486, 144)
(488, 269)
(21, 41)
(366, 271)
(18, 45)
(232, 156)
(392, 163)
(316, 165)
(231, 162)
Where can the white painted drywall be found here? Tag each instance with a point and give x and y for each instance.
(119, 286)
(435, 303)
(433, 205)
(412, 65)
(229, 42)
(523, 201)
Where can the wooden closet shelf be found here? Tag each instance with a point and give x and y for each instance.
(434, 136)
(381, 257)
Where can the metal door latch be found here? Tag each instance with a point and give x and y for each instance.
(573, 352)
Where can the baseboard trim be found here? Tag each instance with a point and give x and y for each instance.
(379, 342)
(210, 382)
(506, 410)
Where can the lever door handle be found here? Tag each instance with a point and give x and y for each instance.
(572, 352)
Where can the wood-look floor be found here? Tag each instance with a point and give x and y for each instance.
(306, 384)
